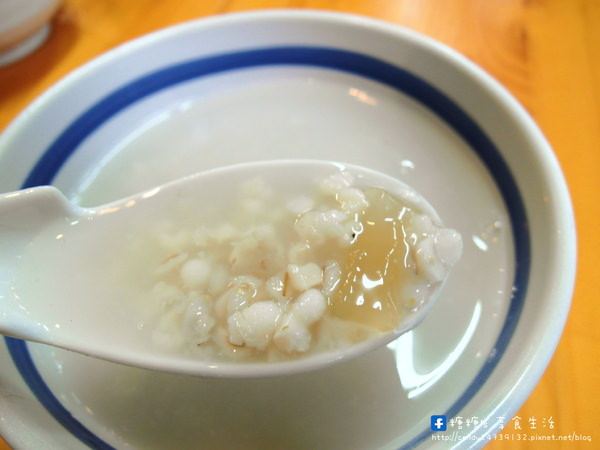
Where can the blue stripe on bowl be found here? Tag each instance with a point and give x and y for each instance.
(355, 63)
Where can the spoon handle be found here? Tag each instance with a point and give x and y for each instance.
(23, 215)
(26, 210)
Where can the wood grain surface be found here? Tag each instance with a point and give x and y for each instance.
(546, 52)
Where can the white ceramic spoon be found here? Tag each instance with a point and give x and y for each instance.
(60, 266)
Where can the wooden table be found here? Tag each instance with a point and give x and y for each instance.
(546, 52)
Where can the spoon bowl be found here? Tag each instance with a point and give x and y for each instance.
(65, 280)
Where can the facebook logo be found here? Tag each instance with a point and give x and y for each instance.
(438, 423)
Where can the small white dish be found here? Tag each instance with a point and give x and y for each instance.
(302, 84)
(24, 26)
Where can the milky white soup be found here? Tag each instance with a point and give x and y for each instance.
(276, 274)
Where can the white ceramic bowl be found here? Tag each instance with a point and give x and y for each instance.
(289, 84)
(24, 26)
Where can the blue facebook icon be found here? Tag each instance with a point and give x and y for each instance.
(438, 423)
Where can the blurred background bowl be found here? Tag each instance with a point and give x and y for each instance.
(24, 26)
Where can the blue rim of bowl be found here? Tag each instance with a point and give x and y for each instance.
(321, 57)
